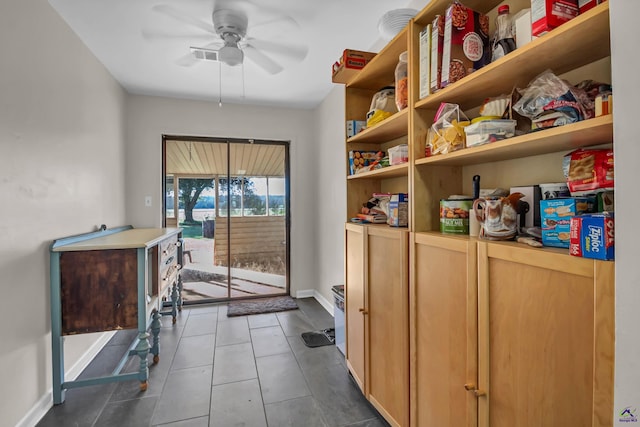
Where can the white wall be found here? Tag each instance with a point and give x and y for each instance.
(331, 191)
(625, 34)
(61, 173)
(148, 118)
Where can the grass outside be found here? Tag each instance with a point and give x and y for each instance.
(192, 230)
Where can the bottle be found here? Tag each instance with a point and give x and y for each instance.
(402, 83)
(503, 40)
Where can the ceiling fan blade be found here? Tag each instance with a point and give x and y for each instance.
(157, 36)
(183, 17)
(262, 60)
(294, 51)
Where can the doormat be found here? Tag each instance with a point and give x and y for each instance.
(261, 305)
(319, 338)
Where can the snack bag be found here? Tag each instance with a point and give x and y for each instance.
(447, 132)
(590, 171)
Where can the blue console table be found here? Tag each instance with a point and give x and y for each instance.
(109, 280)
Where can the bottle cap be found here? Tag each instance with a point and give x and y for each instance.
(503, 9)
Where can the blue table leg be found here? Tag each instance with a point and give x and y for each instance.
(142, 349)
(57, 341)
(174, 301)
(155, 331)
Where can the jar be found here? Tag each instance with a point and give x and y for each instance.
(402, 82)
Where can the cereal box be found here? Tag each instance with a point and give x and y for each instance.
(592, 236)
(466, 43)
(555, 218)
(399, 210)
(437, 43)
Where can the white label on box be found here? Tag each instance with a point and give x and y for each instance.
(425, 61)
(446, 52)
(538, 10)
(434, 58)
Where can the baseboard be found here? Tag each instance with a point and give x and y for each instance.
(312, 293)
(45, 403)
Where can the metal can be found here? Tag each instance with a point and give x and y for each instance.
(454, 216)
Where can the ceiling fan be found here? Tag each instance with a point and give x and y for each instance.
(232, 41)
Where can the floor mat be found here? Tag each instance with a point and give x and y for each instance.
(319, 338)
(261, 305)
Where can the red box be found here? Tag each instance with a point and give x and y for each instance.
(355, 59)
(585, 5)
(549, 14)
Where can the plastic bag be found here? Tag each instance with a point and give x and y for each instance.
(447, 132)
(550, 101)
(383, 105)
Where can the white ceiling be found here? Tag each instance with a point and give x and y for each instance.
(140, 45)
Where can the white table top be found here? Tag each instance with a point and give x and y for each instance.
(134, 238)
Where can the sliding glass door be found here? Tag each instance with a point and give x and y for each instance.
(231, 199)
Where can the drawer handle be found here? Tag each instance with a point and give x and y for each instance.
(168, 261)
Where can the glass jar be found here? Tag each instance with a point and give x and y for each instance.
(402, 82)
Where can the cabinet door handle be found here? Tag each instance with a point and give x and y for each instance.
(363, 311)
(472, 387)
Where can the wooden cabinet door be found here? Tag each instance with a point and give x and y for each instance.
(443, 331)
(546, 338)
(354, 290)
(388, 322)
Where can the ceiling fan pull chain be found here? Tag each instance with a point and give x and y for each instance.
(220, 84)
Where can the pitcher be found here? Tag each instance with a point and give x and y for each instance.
(497, 217)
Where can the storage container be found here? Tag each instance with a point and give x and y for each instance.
(338, 317)
(487, 131)
(398, 154)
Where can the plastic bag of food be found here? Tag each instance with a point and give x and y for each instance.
(550, 101)
(589, 171)
(447, 132)
(383, 105)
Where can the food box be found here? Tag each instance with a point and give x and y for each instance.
(549, 14)
(592, 236)
(349, 63)
(361, 159)
(454, 216)
(424, 66)
(399, 210)
(554, 190)
(398, 154)
(466, 43)
(437, 43)
(555, 217)
(522, 24)
(585, 5)
(354, 127)
(489, 131)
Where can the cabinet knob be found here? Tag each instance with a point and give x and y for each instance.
(470, 387)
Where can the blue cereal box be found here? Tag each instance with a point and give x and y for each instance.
(592, 236)
(555, 218)
(398, 210)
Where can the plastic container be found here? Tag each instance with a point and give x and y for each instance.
(338, 317)
(402, 82)
(503, 40)
(487, 131)
(398, 154)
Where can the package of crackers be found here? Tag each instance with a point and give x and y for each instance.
(589, 171)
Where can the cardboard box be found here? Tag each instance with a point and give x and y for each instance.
(549, 14)
(592, 236)
(532, 195)
(437, 43)
(399, 210)
(522, 23)
(555, 218)
(356, 59)
(424, 66)
(354, 127)
(361, 159)
(466, 43)
(399, 154)
(585, 5)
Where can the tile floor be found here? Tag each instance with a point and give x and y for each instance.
(224, 371)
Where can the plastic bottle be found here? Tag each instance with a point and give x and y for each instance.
(503, 40)
(402, 83)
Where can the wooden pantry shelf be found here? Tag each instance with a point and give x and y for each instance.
(383, 173)
(586, 133)
(438, 7)
(390, 128)
(379, 72)
(578, 42)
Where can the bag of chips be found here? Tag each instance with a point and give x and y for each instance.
(446, 134)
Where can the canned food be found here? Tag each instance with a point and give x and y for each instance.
(454, 216)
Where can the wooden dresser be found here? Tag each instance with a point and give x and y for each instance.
(109, 280)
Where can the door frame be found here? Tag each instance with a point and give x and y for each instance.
(287, 200)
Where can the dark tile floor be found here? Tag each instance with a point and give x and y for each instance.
(224, 371)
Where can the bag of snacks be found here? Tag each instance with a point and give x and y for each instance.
(589, 171)
(447, 132)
